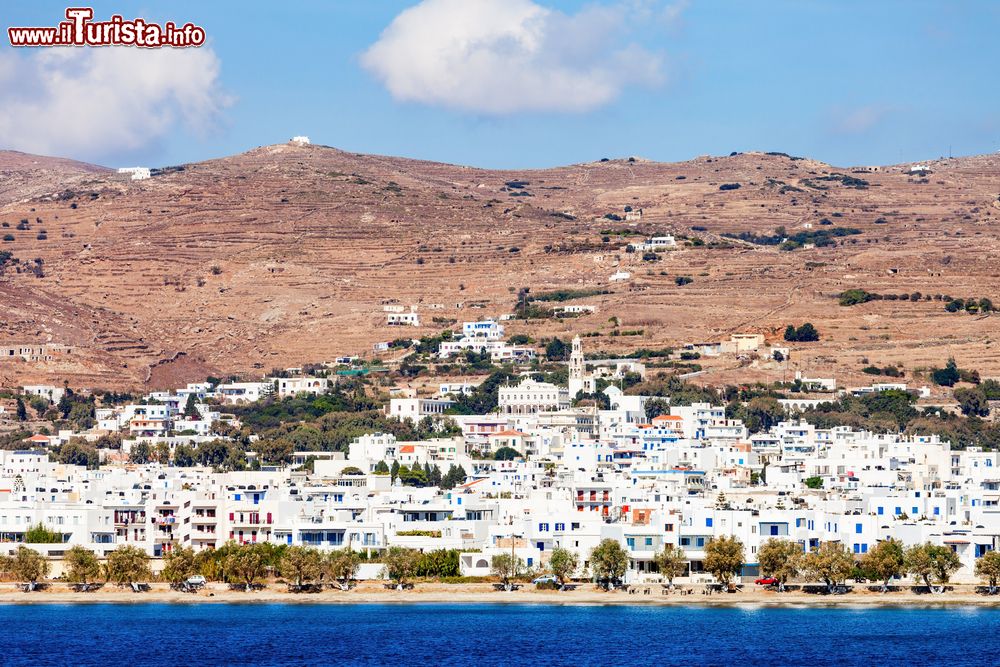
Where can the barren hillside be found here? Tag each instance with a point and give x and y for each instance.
(283, 255)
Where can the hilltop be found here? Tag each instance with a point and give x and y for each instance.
(284, 254)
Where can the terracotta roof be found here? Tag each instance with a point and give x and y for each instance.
(667, 418)
(509, 433)
(407, 449)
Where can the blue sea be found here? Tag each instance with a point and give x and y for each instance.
(485, 635)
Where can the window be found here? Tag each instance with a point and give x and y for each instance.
(708, 523)
(700, 542)
(857, 527)
(668, 528)
(649, 541)
(560, 526)
(543, 527)
(685, 541)
(881, 511)
(630, 541)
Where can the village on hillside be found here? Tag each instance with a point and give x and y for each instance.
(550, 466)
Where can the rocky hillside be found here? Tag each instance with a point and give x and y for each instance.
(285, 254)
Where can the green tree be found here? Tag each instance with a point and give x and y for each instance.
(78, 452)
(394, 471)
(988, 569)
(933, 564)
(185, 456)
(400, 565)
(656, 407)
(506, 454)
(140, 453)
(972, 401)
(779, 559)
(813, 482)
(609, 562)
(82, 566)
(381, 468)
(246, 564)
(724, 558)
(301, 565)
(761, 413)
(806, 333)
(506, 566)
(342, 566)
(884, 561)
(178, 564)
(28, 566)
(556, 350)
(563, 564)
(22, 412)
(275, 450)
(672, 562)
(831, 564)
(947, 376)
(128, 565)
(191, 408)
(39, 534)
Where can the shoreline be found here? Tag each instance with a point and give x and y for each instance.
(470, 594)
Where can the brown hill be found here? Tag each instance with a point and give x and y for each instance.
(283, 255)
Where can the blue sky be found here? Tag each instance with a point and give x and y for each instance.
(846, 82)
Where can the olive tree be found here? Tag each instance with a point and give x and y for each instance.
(82, 566)
(301, 565)
(28, 566)
(128, 565)
(780, 559)
(988, 569)
(506, 566)
(400, 565)
(609, 562)
(884, 561)
(831, 563)
(246, 564)
(563, 564)
(933, 564)
(342, 566)
(724, 558)
(178, 564)
(672, 562)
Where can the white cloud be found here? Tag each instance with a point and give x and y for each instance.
(98, 102)
(858, 120)
(505, 56)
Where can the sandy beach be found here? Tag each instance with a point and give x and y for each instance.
(376, 593)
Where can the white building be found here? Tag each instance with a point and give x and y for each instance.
(579, 379)
(302, 385)
(531, 397)
(418, 408)
(49, 392)
(244, 392)
(136, 173)
(403, 319)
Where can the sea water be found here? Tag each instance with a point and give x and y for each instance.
(172, 635)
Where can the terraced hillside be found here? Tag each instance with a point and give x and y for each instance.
(283, 255)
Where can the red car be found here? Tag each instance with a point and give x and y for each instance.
(766, 581)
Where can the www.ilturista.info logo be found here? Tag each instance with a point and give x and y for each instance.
(80, 30)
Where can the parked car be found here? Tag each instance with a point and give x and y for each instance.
(195, 580)
(766, 581)
(545, 579)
